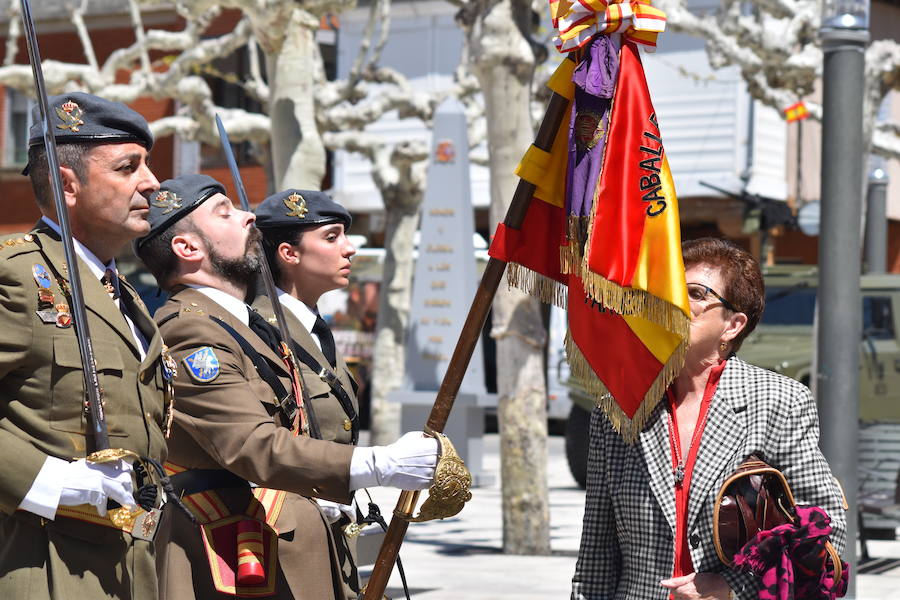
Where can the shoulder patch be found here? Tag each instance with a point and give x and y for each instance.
(202, 365)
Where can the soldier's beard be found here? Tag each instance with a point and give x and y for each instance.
(242, 271)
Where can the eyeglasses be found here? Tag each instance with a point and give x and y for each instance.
(697, 292)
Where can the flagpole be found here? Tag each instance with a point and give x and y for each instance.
(462, 354)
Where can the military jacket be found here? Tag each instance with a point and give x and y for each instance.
(226, 418)
(333, 421)
(332, 418)
(43, 413)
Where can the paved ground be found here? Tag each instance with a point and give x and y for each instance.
(461, 559)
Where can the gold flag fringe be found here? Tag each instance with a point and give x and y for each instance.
(571, 255)
(534, 284)
(637, 302)
(628, 428)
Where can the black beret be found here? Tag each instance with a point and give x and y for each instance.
(79, 117)
(300, 208)
(175, 200)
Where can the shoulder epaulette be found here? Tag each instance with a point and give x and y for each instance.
(15, 241)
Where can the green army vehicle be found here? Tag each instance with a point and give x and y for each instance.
(783, 342)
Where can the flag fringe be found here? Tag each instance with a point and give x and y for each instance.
(635, 302)
(629, 428)
(545, 289)
(572, 253)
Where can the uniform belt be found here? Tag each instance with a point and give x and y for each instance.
(194, 481)
(139, 524)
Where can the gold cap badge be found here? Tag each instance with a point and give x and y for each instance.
(167, 200)
(296, 206)
(70, 114)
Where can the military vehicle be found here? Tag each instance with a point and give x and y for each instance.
(783, 342)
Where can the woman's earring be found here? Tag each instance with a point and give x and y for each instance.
(722, 346)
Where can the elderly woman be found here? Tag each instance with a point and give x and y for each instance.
(648, 528)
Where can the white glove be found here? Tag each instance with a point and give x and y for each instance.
(334, 510)
(407, 464)
(88, 483)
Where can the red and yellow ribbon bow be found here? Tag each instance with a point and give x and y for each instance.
(578, 20)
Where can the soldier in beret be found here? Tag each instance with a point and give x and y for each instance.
(237, 421)
(57, 537)
(306, 245)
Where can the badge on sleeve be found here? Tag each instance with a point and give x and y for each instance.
(202, 365)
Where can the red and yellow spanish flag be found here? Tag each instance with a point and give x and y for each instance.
(625, 293)
(796, 112)
(533, 250)
(628, 330)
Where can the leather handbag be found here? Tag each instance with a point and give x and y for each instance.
(756, 497)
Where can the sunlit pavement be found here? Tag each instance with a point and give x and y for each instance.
(460, 558)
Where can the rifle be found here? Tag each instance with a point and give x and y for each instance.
(79, 315)
(462, 354)
(269, 282)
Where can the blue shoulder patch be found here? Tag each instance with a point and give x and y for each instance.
(202, 365)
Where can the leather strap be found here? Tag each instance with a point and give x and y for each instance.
(329, 377)
(194, 481)
(749, 519)
(287, 404)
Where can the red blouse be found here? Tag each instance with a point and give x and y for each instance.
(683, 563)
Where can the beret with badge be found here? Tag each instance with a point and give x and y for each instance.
(79, 118)
(176, 199)
(299, 208)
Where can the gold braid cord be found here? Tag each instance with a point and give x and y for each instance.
(450, 490)
(110, 455)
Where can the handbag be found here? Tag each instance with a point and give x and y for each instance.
(755, 498)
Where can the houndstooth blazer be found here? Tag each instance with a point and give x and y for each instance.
(627, 542)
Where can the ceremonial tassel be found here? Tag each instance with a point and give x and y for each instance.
(250, 570)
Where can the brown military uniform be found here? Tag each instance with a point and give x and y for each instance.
(42, 413)
(333, 421)
(232, 423)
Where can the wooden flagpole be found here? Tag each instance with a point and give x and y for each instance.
(462, 354)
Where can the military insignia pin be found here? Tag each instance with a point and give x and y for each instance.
(45, 298)
(168, 201)
(46, 316)
(41, 276)
(70, 114)
(169, 366)
(296, 206)
(63, 316)
(202, 365)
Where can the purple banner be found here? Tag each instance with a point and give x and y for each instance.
(595, 82)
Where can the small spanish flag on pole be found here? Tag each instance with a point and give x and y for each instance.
(796, 112)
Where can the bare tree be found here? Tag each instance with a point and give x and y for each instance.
(777, 49)
(502, 58)
(302, 115)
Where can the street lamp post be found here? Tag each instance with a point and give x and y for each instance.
(844, 36)
(876, 222)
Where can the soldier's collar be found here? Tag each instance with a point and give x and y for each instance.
(235, 306)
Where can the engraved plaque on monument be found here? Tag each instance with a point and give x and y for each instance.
(444, 285)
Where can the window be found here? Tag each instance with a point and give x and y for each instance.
(790, 306)
(224, 76)
(878, 319)
(18, 122)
